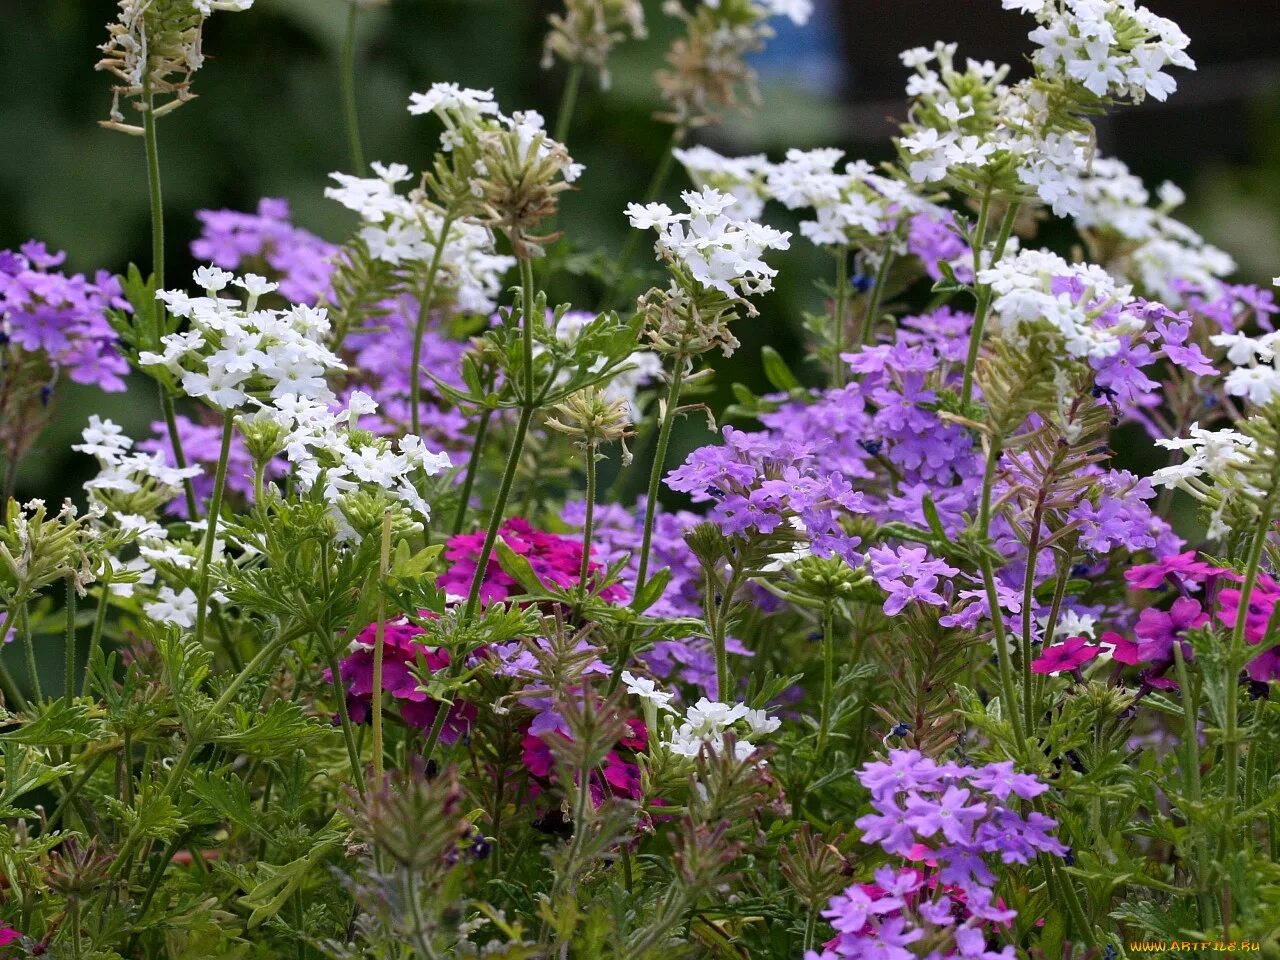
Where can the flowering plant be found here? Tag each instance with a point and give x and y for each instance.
(362, 657)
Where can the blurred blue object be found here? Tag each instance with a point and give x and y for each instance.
(808, 57)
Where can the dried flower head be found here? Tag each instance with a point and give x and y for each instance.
(588, 30)
(153, 49)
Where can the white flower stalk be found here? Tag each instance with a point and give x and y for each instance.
(710, 248)
(1227, 471)
(1254, 375)
(233, 351)
(741, 177)
(153, 49)
(129, 483)
(360, 474)
(854, 206)
(706, 722)
(1036, 289)
(1144, 242)
(503, 172)
(1115, 49)
(405, 231)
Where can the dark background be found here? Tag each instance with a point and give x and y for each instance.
(267, 123)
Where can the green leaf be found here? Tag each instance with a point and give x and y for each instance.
(777, 371)
(652, 591)
(518, 567)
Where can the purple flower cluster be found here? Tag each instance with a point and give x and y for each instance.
(952, 820)
(907, 574)
(63, 317)
(758, 482)
(269, 243)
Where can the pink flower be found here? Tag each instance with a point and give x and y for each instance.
(8, 935)
(1123, 650)
(555, 560)
(1148, 576)
(1071, 654)
(1158, 630)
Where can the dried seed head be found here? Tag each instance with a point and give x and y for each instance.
(588, 30)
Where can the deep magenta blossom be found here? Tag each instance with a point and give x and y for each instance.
(1071, 654)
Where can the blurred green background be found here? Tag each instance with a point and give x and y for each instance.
(267, 123)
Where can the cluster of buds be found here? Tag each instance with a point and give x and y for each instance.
(588, 30)
(38, 550)
(707, 67)
(592, 417)
(153, 49)
(504, 173)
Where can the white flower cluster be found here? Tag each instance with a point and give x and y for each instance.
(705, 723)
(741, 177)
(129, 481)
(233, 351)
(1162, 253)
(969, 127)
(1036, 287)
(1214, 471)
(466, 113)
(853, 206)
(403, 231)
(711, 247)
(123, 471)
(1113, 48)
(1254, 375)
(326, 447)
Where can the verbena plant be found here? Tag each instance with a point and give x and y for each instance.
(362, 660)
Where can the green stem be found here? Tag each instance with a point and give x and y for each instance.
(211, 525)
(568, 100)
(527, 405)
(99, 623)
(1009, 706)
(828, 675)
(719, 633)
(877, 296)
(344, 716)
(588, 522)
(349, 92)
(669, 409)
(23, 623)
(384, 564)
(840, 320)
(424, 310)
(74, 791)
(473, 464)
(433, 735)
(1235, 659)
(1191, 772)
(156, 196)
(70, 644)
(984, 291)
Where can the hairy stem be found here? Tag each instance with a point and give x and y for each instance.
(528, 404)
(877, 296)
(349, 110)
(984, 292)
(211, 525)
(424, 310)
(568, 101)
(384, 564)
(840, 320)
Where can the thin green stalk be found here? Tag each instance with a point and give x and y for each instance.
(1009, 706)
(424, 310)
(473, 465)
(719, 634)
(655, 473)
(1231, 725)
(211, 525)
(70, 643)
(9, 686)
(344, 716)
(99, 623)
(433, 735)
(384, 565)
(527, 406)
(588, 522)
(877, 296)
(349, 92)
(840, 320)
(1191, 772)
(568, 101)
(984, 292)
(828, 675)
(156, 196)
(23, 622)
(74, 790)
